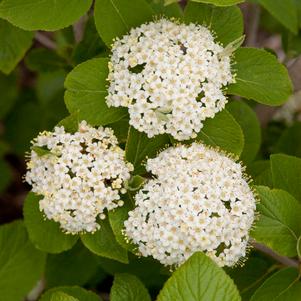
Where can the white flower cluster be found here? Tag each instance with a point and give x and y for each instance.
(170, 76)
(79, 175)
(198, 200)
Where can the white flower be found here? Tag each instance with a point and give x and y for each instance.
(198, 200)
(170, 76)
(80, 177)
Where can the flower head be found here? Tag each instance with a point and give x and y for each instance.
(170, 76)
(79, 175)
(198, 200)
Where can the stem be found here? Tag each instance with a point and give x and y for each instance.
(281, 259)
(251, 39)
(45, 41)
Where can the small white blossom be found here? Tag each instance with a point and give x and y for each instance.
(80, 177)
(198, 200)
(170, 76)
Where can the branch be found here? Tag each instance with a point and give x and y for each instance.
(281, 259)
(45, 41)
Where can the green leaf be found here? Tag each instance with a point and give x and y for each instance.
(14, 43)
(226, 22)
(70, 123)
(45, 234)
(115, 18)
(172, 10)
(290, 141)
(21, 265)
(279, 225)
(284, 11)
(223, 131)
(44, 60)
(121, 129)
(261, 173)
(250, 126)
(47, 15)
(286, 172)
(299, 247)
(260, 77)
(41, 151)
(73, 267)
(199, 279)
(135, 183)
(282, 286)
(103, 243)
(73, 291)
(139, 147)
(59, 296)
(220, 2)
(128, 287)
(86, 91)
(8, 86)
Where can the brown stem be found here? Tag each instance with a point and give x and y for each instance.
(45, 41)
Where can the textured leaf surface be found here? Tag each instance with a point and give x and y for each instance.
(45, 234)
(43, 15)
(282, 286)
(103, 243)
(284, 11)
(128, 287)
(14, 43)
(286, 173)
(223, 131)
(86, 88)
(279, 225)
(260, 77)
(226, 22)
(250, 126)
(21, 265)
(199, 279)
(115, 18)
(59, 296)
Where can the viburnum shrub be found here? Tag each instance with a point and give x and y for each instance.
(159, 167)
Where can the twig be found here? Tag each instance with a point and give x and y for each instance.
(281, 259)
(294, 68)
(45, 41)
(252, 29)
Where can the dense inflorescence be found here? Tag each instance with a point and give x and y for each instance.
(170, 76)
(78, 175)
(198, 200)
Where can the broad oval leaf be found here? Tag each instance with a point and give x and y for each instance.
(259, 76)
(282, 286)
(284, 11)
(60, 296)
(223, 131)
(250, 126)
(279, 225)
(47, 15)
(72, 291)
(45, 234)
(20, 262)
(86, 91)
(220, 2)
(286, 173)
(103, 243)
(14, 43)
(225, 22)
(115, 18)
(128, 287)
(199, 279)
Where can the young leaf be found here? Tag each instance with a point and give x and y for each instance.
(45, 234)
(115, 18)
(128, 287)
(40, 151)
(21, 265)
(103, 243)
(282, 286)
(250, 126)
(224, 132)
(47, 15)
(14, 43)
(284, 11)
(226, 22)
(72, 291)
(86, 88)
(279, 225)
(199, 279)
(139, 147)
(260, 77)
(286, 171)
(73, 267)
(220, 2)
